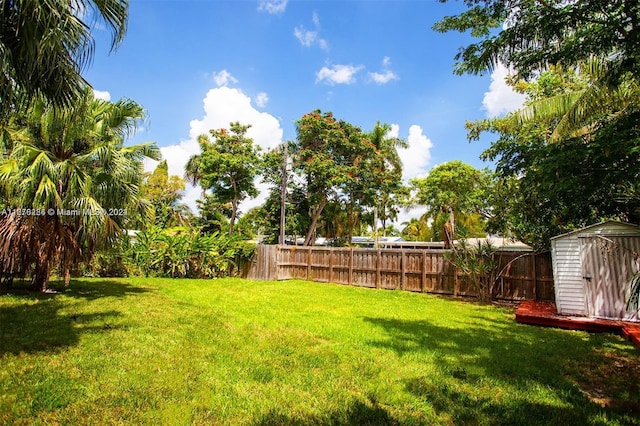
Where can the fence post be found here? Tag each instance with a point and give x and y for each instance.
(455, 280)
(535, 277)
(403, 270)
(277, 262)
(351, 266)
(378, 267)
(443, 271)
(423, 281)
(330, 265)
(309, 264)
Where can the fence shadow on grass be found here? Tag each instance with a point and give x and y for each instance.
(518, 360)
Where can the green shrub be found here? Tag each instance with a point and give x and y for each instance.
(188, 253)
(478, 262)
(105, 264)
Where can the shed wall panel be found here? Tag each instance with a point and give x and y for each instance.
(567, 274)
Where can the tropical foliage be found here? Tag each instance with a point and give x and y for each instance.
(70, 184)
(348, 175)
(321, 158)
(44, 46)
(548, 187)
(417, 229)
(537, 34)
(227, 167)
(478, 262)
(187, 253)
(164, 193)
(451, 190)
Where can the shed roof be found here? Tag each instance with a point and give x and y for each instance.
(600, 225)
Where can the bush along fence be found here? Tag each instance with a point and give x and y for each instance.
(518, 275)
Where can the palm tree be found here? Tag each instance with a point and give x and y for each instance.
(387, 173)
(417, 229)
(605, 96)
(69, 170)
(44, 45)
(193, 170)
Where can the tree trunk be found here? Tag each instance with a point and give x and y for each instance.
(40, 279)
(350, 220)
(234, 212)
(383, 219)
(283, 197)
(314, 223)
(234, 206)
(67, 275)
(375, 227)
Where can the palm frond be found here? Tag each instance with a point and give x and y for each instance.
(143, 150)
(577, 111)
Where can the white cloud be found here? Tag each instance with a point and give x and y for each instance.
(501, 99)
(338, 74)
(224, 78)
(386, 75)
(262, 99)
(99, 94)
(415, 160)
(383, 78)
(272, 7)
(417, 156)
(309, 38)
(222, 106)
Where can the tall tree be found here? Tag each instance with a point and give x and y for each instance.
(567, 159)
(454, 189)
(321, 157)
(384, 185)
(44, 46)
(70, 182)
(296, 202)
(164, 192)
(226, 166)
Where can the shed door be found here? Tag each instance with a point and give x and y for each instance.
(607, 266)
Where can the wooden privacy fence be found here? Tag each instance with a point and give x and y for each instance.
(525, 275)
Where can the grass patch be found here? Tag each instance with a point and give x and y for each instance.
(232, 351)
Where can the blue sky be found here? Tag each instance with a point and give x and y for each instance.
(198, 65)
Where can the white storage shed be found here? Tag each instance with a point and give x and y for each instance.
(592, 268)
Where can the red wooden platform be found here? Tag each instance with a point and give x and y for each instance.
(545, 314)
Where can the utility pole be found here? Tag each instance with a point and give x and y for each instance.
(376, 240)
(283, 194)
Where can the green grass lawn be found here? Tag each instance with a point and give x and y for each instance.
(232, 351)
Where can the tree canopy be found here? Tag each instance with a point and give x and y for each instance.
(454, 189)
(44, 46)
(164, 192)
(547, 187)
(528, 36)
(321, 157)
(69, 182)
(226, 166)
